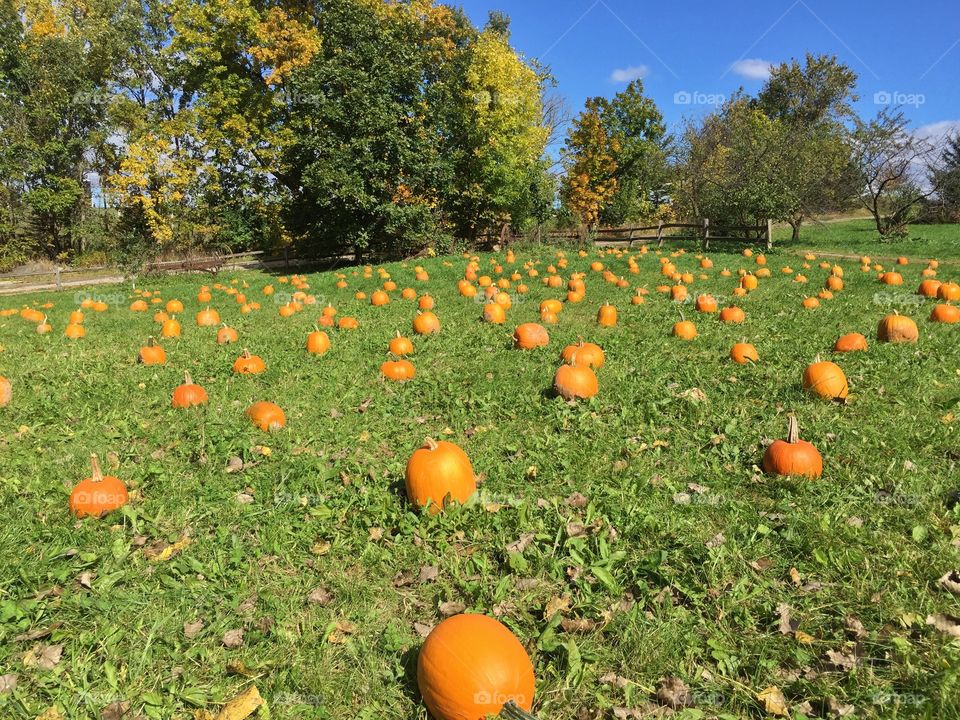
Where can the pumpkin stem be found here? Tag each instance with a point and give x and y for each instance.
(245, 354)
(398, 334)
(793, 429)
(187, 380)
(430, 444)
(512, 711)
(152, 341)
(97, 474)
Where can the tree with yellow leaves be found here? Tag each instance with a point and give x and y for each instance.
(589, 153)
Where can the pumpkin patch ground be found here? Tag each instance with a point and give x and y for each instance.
(564, 460)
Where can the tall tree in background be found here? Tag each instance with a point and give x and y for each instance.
(636, 126)
(589, 160)
(947, 178)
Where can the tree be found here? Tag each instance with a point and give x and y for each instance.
(590, 181)
(890, 162)
(636, 127)
(947, 178)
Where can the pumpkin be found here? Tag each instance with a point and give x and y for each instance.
(204, 296)
(401, 345)
(811, 303)
(902, 260)
(685, 330)
(743, 353)
(793, 456)
(170, 328)
(174, 306)
(439, 472)
(152, 354)
(139, 306)
(607, 315)
(897, 328)
(825, 379)
(398, 370)
(466, 288)
(227, 335)
(945, 313)
(248, 364)
(851, 342)
(706, 304)
(732, 314)
(582, 353)
(493, 313)
(408, 294)
(208, 318)
(347, 323)
(470, 666)
(551, 305)
(189, 394)
(548, 318)
(44, 327)
(891, 278)
(329, 311)
(929, 288)
(529, 336)
(6, 391)
(949, 291)
(748, 282)
(318, 342)
(379, 298)
(426, 302)
(267, 416)
(678, 293)
(575, 381)
(834, 283)
(98, 494)
(74, 331)
(426, 323)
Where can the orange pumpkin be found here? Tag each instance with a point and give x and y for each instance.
(891, 278)
(170, 328)
(426, 323)
(174, 307)
(400, 345)
(575, 381)
(470, 666)
(949, 291)
(398, 370)
(139, 306)
(227, 335)
(208, 318)
(607, 315)
(248, 364)
(743, 353)
(267, 416)
(347, 323)
(929, 288)
(945, 313)
(851, 342)
(6, 391)
(379, 298)
(529, 336)
(494, 313)
(706, 304)
(318, 342)
(793, 456)
(825, 379)
(584, 353)
(189, 394)
(152, 354)
(732, 314)
(685, 330)
(74, 331)
(98, 494)
(427, 303)
(897, 328)
(437, 473)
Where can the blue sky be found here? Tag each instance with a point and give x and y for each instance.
(691, 54)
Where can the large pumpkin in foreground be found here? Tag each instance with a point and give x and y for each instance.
(99, 494)
(470, 666)
(793, 456)
(437, 471)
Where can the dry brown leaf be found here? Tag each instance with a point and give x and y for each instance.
(192, 629)
(115, 710)
(795, 577)
(321, 547)
(854, 626)
(576, 500)
(161, 551)
(247, 605)
(85, 580)
(43, 656)
(773, 701)
(320, 596)
(37, 634)
(8, 683)
(614, 680)
(422, 629)
(716, 541)
(518, 546)
(674, 693)
(556, 605)
(233, 638)
(574, 625)
(242, 706)
(51, 713)
(428, 573)
(838, 710)
(948, 624)
(451, 607)
(803, 638)
(234, 464)
(787, 624)
(842, 660)
(951, 581)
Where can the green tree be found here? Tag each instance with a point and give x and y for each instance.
(591, 168)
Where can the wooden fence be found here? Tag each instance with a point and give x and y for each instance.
(701, 232)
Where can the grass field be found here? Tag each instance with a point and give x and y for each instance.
(624, 539)
(859, 236)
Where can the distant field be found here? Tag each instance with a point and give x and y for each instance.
(860, 237)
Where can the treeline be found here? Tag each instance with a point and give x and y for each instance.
(130, 129)
(795, 150)
(162, 125)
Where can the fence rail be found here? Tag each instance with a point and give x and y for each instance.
(701, 232)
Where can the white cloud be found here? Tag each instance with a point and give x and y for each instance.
(629, 74)
(937, 131)
(752, 68)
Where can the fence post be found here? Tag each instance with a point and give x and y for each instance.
(56, 274)
(706, 233)
(659, 233)
(286, 258)
(769, 234)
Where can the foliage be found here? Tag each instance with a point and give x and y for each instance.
(591, 167)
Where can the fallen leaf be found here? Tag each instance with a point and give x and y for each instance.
(242, 706)
(85, 580)
(233, 638)
(428, 573)
(762, 564)
(422, 629)
(362, 407)
(803, 638)
(572, 625)
(854, 626)
(320, 596)
(787, 624)
(161, 551)
(115, 710)
(576, 500)
(244, 498)
(43, 656)
(451, 608)
(321, 547)
(51, 713)
(951, 582)
(838, 709)
(37, 634)
(674, 693)
(8, 683)
(716, 541)
(237, 667)
(192, 629)
(795, 576)
(773, 701)
(247, 605)
(234, 464)
(948, 624)
(518, 546)
(842, 660)
(615, 680)
(555, 605)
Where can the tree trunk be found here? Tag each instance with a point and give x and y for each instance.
(795, 228)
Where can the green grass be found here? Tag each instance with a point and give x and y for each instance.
(860, 237)
(869, 540)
